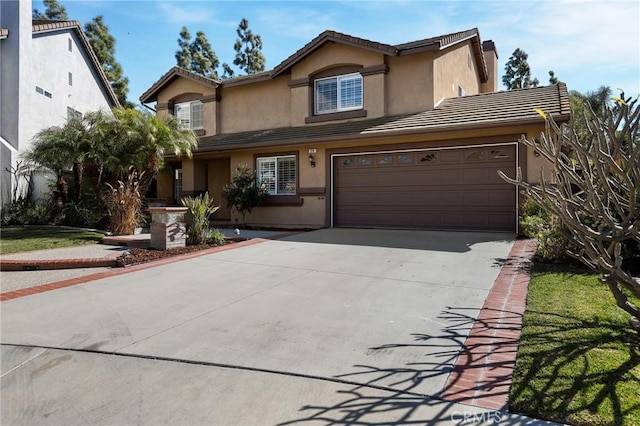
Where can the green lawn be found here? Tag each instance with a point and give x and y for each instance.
(575, 362)
(28, 238)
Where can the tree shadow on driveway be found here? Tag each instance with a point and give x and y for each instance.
(400, 395)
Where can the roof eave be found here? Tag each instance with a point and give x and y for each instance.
(385, 134)
(151, 94)
(328, 37)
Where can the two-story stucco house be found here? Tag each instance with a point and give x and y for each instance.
(351, 132)
(48, 72)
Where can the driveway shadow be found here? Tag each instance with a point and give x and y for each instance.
(443, 241)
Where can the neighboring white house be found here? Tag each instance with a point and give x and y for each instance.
(48, 72)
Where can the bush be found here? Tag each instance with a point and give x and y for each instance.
(84, 214)
(244, 194)
(199, 210)
(25, 212)
(124, 204)
(551, 243)
(215, 237)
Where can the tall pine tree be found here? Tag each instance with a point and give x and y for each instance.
(104, 46)
(248, 47)
(203, 59)
(517, 72)
(54, 11)
(183, 55)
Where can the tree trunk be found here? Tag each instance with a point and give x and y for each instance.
(78, 172)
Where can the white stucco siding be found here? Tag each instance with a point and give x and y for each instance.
(51, 63)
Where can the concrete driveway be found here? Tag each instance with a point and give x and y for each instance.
(332, 326)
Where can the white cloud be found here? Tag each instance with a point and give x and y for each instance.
(586, 43)
(178, 13)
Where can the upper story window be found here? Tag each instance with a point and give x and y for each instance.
(73, 114)
(277, 174)
(336, 94)
(189, 115)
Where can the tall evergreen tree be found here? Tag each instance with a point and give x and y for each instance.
(54, 11)
(104, 46)
(248, 47)
(552, 78)
(183, 55)
(517, 72)
(203, 59)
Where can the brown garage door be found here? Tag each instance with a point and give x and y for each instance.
(434, 189)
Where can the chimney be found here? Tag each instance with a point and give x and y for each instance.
(491, 58)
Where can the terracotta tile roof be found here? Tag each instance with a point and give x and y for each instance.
(3, 33)
(516, 107)
(151, 94)
(42, 26)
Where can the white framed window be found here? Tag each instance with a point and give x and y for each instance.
(189, 115)
(70, 79)
(277, 174)
(340, 93)
(72, 113)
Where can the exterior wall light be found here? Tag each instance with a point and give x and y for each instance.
(312, 159)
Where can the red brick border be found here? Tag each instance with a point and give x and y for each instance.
(483, 372)
(97, 276)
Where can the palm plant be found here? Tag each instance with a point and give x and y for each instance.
(141, 139)
(199, 211)
(59, 149)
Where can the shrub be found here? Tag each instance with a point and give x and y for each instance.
(216, 237)
(199, 210)
(243, 193)
(25, 212)
(124, 204)
(551, 243)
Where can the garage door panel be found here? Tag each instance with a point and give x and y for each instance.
(439, 189)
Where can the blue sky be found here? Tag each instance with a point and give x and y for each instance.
(586, 43)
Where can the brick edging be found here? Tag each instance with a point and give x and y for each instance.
(47, 264)
(127, 269)
(483, 372)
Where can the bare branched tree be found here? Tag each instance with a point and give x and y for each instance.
(595, 191)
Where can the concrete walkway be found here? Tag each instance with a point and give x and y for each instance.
(344, 326)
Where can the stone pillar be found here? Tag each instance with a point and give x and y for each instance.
(168, 228)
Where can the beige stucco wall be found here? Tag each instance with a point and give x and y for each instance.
(181, 87)
(537, 166)
(455, 67)
(491, 85)
(218, 175)
(255, 106)
(334, 54)
(409, 83)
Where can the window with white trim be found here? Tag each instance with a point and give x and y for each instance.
(189, 115)
(277, 174)
(73, 114)
(336, 94)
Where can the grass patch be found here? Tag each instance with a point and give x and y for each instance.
(576, 362)
(27, 238)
